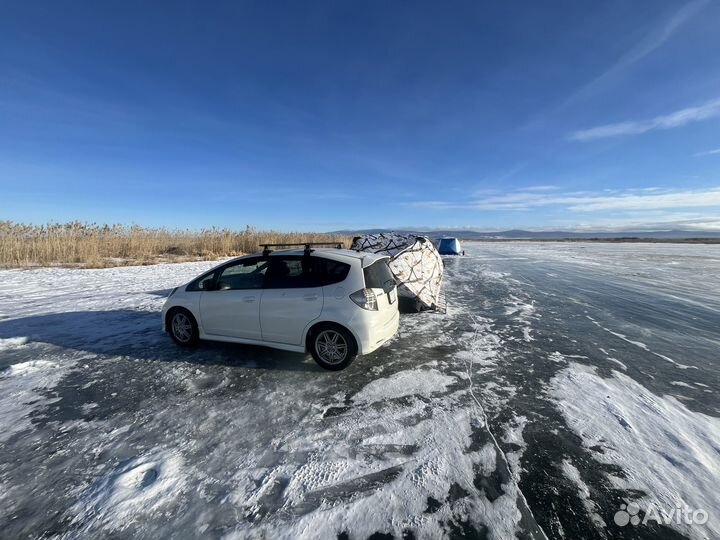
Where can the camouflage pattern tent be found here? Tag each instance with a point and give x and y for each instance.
(415, 263)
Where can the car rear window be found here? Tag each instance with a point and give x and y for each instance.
(379, 276)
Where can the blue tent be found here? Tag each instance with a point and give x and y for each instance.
(449, 246)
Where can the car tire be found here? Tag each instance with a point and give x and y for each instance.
(332, 346)
(183, 327)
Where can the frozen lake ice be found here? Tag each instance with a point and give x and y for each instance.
(566, 380)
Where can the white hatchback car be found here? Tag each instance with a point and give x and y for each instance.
(335, 303)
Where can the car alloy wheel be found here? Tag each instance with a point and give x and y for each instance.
(331, 346)
(182, 327)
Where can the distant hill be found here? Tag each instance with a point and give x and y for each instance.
(469, 234)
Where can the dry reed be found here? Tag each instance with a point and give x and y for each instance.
(94, 245)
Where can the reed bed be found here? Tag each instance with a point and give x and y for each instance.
(95, 245)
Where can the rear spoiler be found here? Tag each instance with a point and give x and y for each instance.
(372, 259)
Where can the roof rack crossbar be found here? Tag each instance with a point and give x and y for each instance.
(306, 245)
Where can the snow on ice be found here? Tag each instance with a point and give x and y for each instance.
(664, 449)
(463, 424)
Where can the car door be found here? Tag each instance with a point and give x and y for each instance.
(232, 307)
(292, 298)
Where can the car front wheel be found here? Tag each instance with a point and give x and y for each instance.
(333, 347)
(183, 328)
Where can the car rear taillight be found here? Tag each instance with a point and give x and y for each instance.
(365, 298)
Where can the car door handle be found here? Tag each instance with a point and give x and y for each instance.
(310, 297)
(248, 299)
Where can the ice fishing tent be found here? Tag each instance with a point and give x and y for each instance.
(449, 246)
(414, 262)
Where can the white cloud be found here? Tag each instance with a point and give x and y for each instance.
(540, 188)
(583, 201)
(709, 152)
(662, 222)
(686, 199)
(656, 34)
(708, 110)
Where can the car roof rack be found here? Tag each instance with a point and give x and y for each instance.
(306, 245)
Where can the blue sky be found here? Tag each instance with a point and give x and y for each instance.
(335, 115)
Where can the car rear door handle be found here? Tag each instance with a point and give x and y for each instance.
(248, 299)
(310, 297)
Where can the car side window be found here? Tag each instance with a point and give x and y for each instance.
(203, 283)
(247, 274)
(293, 272)
(333, 271)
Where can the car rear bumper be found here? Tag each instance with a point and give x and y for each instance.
(376, 332)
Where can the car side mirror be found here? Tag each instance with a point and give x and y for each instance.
(222, 286)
